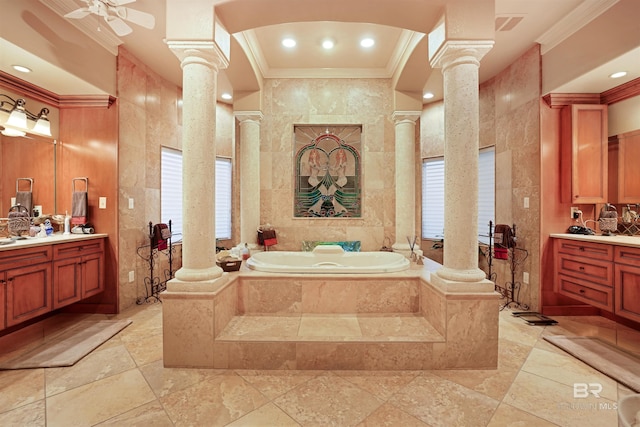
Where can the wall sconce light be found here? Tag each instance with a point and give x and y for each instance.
(17, 123)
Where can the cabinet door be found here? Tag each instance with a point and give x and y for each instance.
(93, 275)
(628, 168)
(67, 282)
(28, 292)
(627, 292)
(3, 290)
(584, 153)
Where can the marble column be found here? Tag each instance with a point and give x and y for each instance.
(249, 176)
(405, 127)
(200, 63)
(460, 61)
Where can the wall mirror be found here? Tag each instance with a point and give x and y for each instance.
(31, 157)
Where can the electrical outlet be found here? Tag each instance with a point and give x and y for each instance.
(525, 278)
(130, 202)
(526, 203)
(575, 212)
(102, 203)
(132, 276)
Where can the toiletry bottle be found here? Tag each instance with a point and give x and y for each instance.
(67, 223)
(245, 252)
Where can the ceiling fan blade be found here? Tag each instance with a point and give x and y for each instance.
(118, 26)
(78, 13)
(121, 2)
(143, 19)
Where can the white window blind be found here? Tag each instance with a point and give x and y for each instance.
(433, 198)
(171, 190)
(171, 193)
(433, 195)
(486, 192)
(223, 198)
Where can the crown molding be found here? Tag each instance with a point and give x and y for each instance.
(578, 18)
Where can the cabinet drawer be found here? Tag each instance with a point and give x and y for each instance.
(585, 249)
(67, 250)
(587, 292)
(23, 257)
(626, 255)
(589, 269)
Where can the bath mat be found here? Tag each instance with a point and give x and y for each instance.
(68, 347)
(612, 361)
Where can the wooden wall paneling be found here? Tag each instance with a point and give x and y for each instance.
(89, 148)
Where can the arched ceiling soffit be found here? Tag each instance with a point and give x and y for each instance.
(414, 15)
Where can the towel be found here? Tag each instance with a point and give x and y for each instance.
(24, 198)
(79, 207)
(159, 237)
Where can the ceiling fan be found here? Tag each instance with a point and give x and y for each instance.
(115, 14)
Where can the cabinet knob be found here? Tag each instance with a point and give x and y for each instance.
(581, 291)
(581, 248)
(581, 268)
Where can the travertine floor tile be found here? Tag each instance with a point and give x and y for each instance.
(267, 415)
(554, 402)
(99, 364)
(439, 402)
(508, 416)
(382, 384)
(164, 381)
(99, 401)
(151, 414)
(328, 400)
(275, 383)
(389, 415)
(32, 415)
(568, 370)
(216, 401)
(20, 388)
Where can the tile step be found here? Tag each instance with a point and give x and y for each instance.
(325, 328)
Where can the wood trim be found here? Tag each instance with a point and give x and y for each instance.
(86, 101)
(559, 100)
(28, 90)
(42, 95)
(622, 92)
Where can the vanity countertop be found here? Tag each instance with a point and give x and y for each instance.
(633, 241)
(50, 240)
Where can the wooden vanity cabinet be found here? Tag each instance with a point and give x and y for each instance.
(627, 282)
(584, 153)
(78, 271)
(584, 271)
(626, 175)
(25, 276)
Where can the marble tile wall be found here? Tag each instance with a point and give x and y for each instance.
(287, 102)
(150, 117)
(510, 120)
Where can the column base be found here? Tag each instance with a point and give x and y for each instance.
(199, 275)
(473, 275)
(456, 286)
(209, 285)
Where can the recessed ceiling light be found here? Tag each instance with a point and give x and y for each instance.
(428, 95)
(368, 42)
(21, 68)
(328, 44)
(618, 74)
(225, 96)
(288, 42)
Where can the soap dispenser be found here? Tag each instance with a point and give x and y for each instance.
(67, 223)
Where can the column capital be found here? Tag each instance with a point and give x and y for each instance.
(458, 52)
(405, 116)
(248, 116)
(203, 52)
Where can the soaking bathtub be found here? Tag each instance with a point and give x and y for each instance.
(328, 259)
